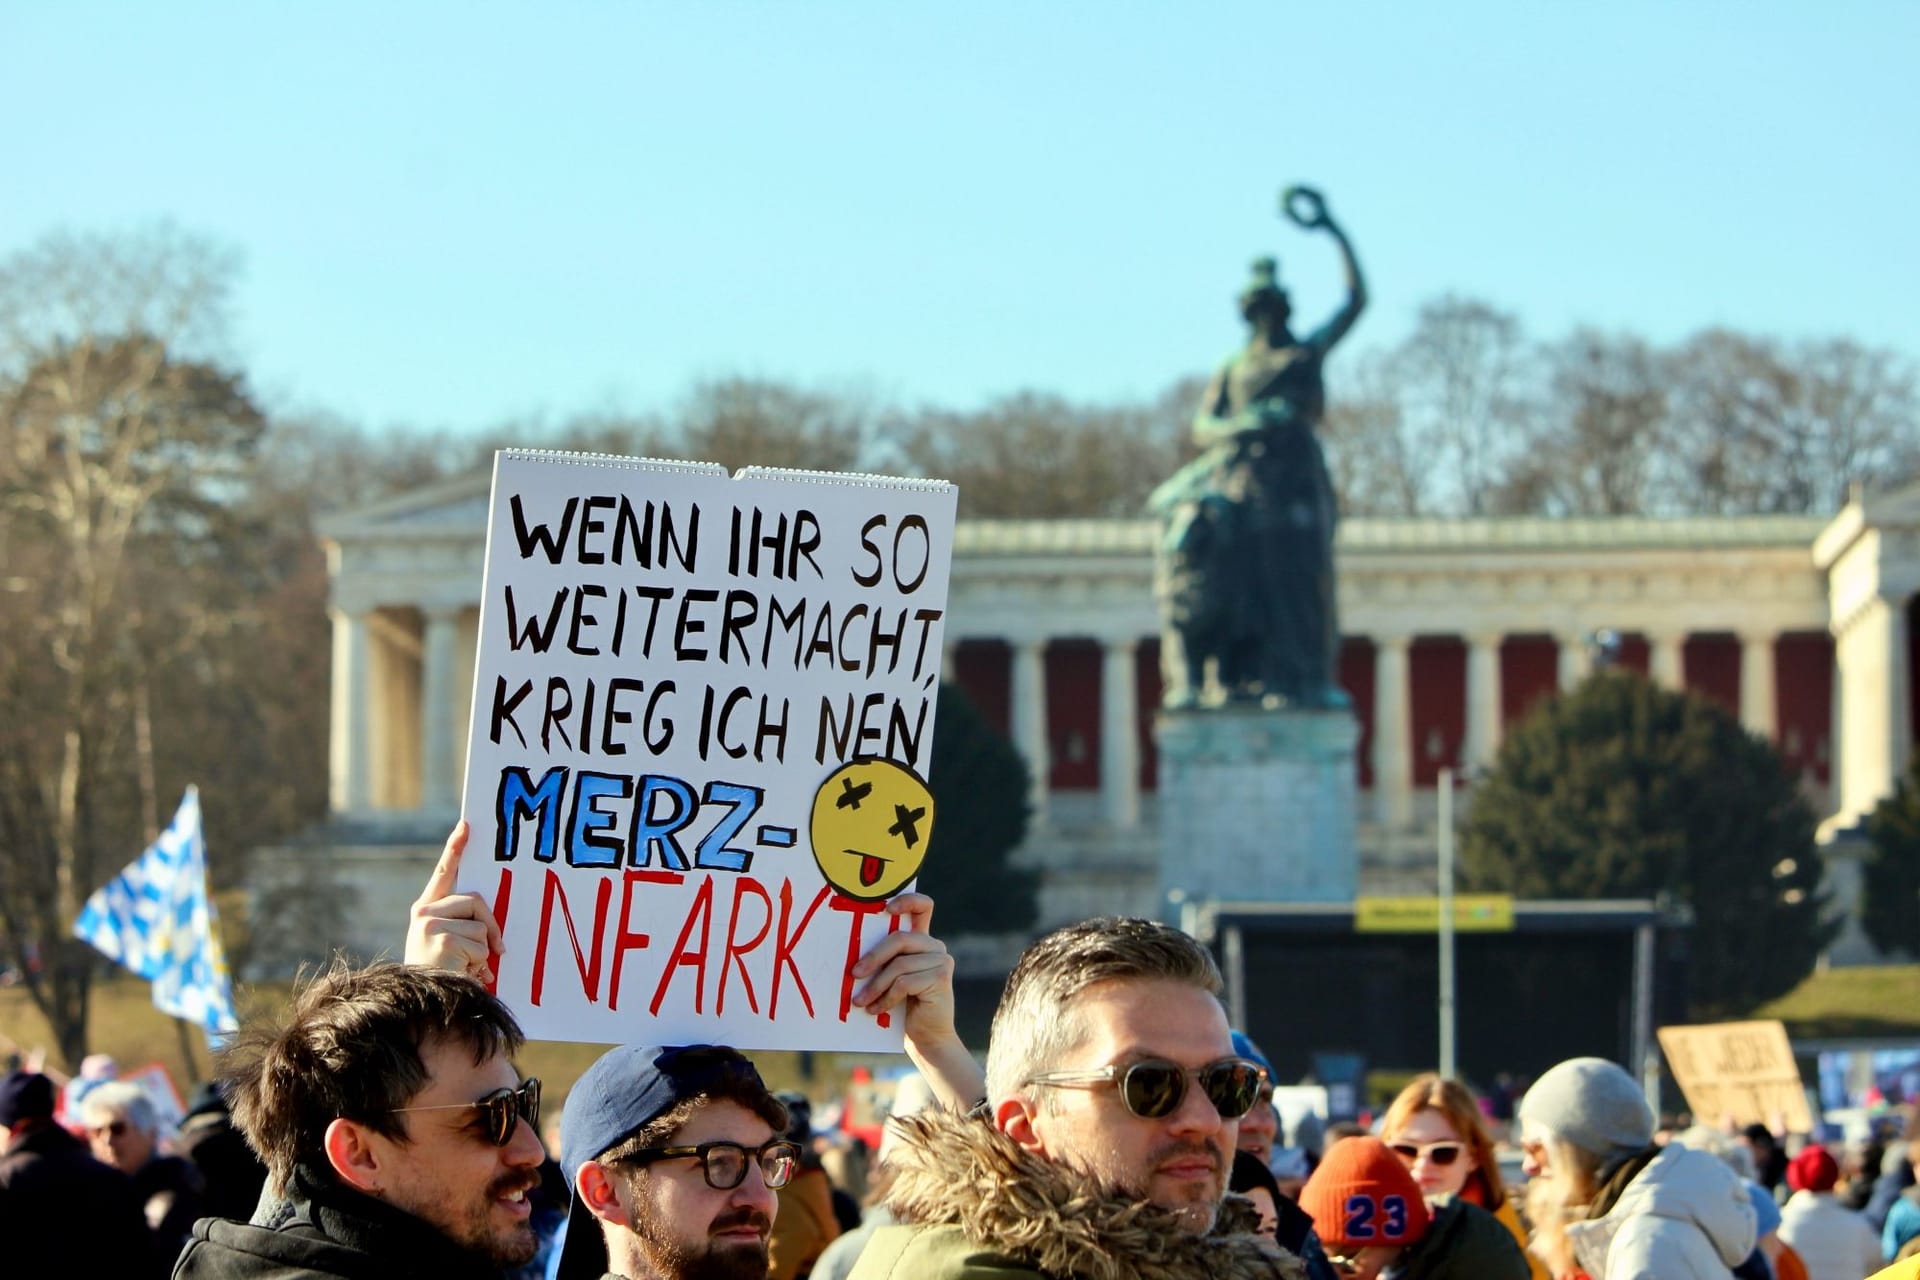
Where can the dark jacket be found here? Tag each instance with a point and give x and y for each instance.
(173, 1197)
(322, 1229)
(232, 1173)
(1465, 1242)
(1295, 1233)
(975, 1206)
(64, 1213)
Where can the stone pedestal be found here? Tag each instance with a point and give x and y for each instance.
(1258, 806)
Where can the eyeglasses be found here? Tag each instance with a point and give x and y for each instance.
(114, 1129)
(724, 1164)
(1441, 1154)
(1153, 1088)
(501, 1110)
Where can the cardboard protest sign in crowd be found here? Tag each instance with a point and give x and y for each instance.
(702, 715)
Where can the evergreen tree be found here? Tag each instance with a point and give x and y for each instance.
(979, 785)
(1890, 895)
(1621, 789)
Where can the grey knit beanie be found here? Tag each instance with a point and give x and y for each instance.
(1593, 1104)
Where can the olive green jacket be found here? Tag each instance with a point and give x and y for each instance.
(974, 1206)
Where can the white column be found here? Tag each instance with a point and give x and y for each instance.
(467, 652)
(1483, 701)
(349, 761)
(439, 781)
(1119, 744)
(1666, 666)
(1871, 658)
(1030, 719)
(1575, 662)
(1392, 725)
(1757, 711)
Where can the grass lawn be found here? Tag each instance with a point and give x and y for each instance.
(1872, 1000)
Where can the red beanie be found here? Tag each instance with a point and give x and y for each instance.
(1363, 1195)
(1812, 1170)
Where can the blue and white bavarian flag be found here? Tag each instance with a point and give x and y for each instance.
(156, 919)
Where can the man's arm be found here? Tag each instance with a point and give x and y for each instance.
(448, 930)
(910, 970)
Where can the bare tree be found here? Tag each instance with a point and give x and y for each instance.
(1462, 376)
(118, 450)
(1603, 430)
(1768, 427)
(1374, 460)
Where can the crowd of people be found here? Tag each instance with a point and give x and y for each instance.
(1120, 1128)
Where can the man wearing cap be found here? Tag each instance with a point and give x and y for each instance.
(1370, 1215)
(674, 1156)
(1830, 1238)
(1258, 1129)
(61, 1211)
(1103, 1148)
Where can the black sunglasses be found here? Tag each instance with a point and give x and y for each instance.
(502, 1109)
(1153, 1087)
(724, 1164)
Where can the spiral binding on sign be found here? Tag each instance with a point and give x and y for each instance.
(615, 460)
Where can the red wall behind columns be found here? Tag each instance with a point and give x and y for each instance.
(1712, 667)
(1073, 714)
(1529, 671)
(1146, 691)
(1437, 670)
(1635, 653)
(1803, 692)
(984, 668)
(1356, 677)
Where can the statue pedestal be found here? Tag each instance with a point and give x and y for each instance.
(1257, 805)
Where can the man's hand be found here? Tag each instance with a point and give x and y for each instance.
(448, 930)
(910, 971)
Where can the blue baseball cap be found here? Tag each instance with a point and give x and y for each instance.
(625, 1090)
(1244, 1046)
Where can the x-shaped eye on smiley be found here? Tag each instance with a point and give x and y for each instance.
(904, 826)
(850, 796)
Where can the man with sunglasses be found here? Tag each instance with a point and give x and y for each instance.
(674, 1156)
(1104, 1145)
(399, 1138)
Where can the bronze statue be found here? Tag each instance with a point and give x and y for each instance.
(1246, 563)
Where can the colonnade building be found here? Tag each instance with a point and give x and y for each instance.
(1804, 627)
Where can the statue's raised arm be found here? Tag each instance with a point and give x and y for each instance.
(1308, 209)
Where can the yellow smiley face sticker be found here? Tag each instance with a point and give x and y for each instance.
(871, 820)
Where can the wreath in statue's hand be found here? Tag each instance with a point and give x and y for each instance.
(1305, 206)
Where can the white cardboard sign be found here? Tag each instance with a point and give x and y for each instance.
(681, 676)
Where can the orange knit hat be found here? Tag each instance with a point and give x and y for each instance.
(1363, 1195)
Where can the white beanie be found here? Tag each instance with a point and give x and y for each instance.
(1594, 1105)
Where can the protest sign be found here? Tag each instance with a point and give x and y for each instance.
(702, 718)
(1738, 1072)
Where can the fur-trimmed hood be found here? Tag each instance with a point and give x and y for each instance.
(952, 1170)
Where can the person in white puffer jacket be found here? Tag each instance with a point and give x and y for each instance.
(1608, 1203)
(1835, 1242)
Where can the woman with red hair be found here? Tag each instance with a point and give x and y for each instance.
(1436, 1129)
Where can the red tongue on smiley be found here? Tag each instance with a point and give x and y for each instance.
(870, 869)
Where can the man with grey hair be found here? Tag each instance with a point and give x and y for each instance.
(124, 1130)
(1104, 1143)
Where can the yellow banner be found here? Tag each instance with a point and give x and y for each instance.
(1472, 913)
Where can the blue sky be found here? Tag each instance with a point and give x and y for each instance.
(455, 215)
